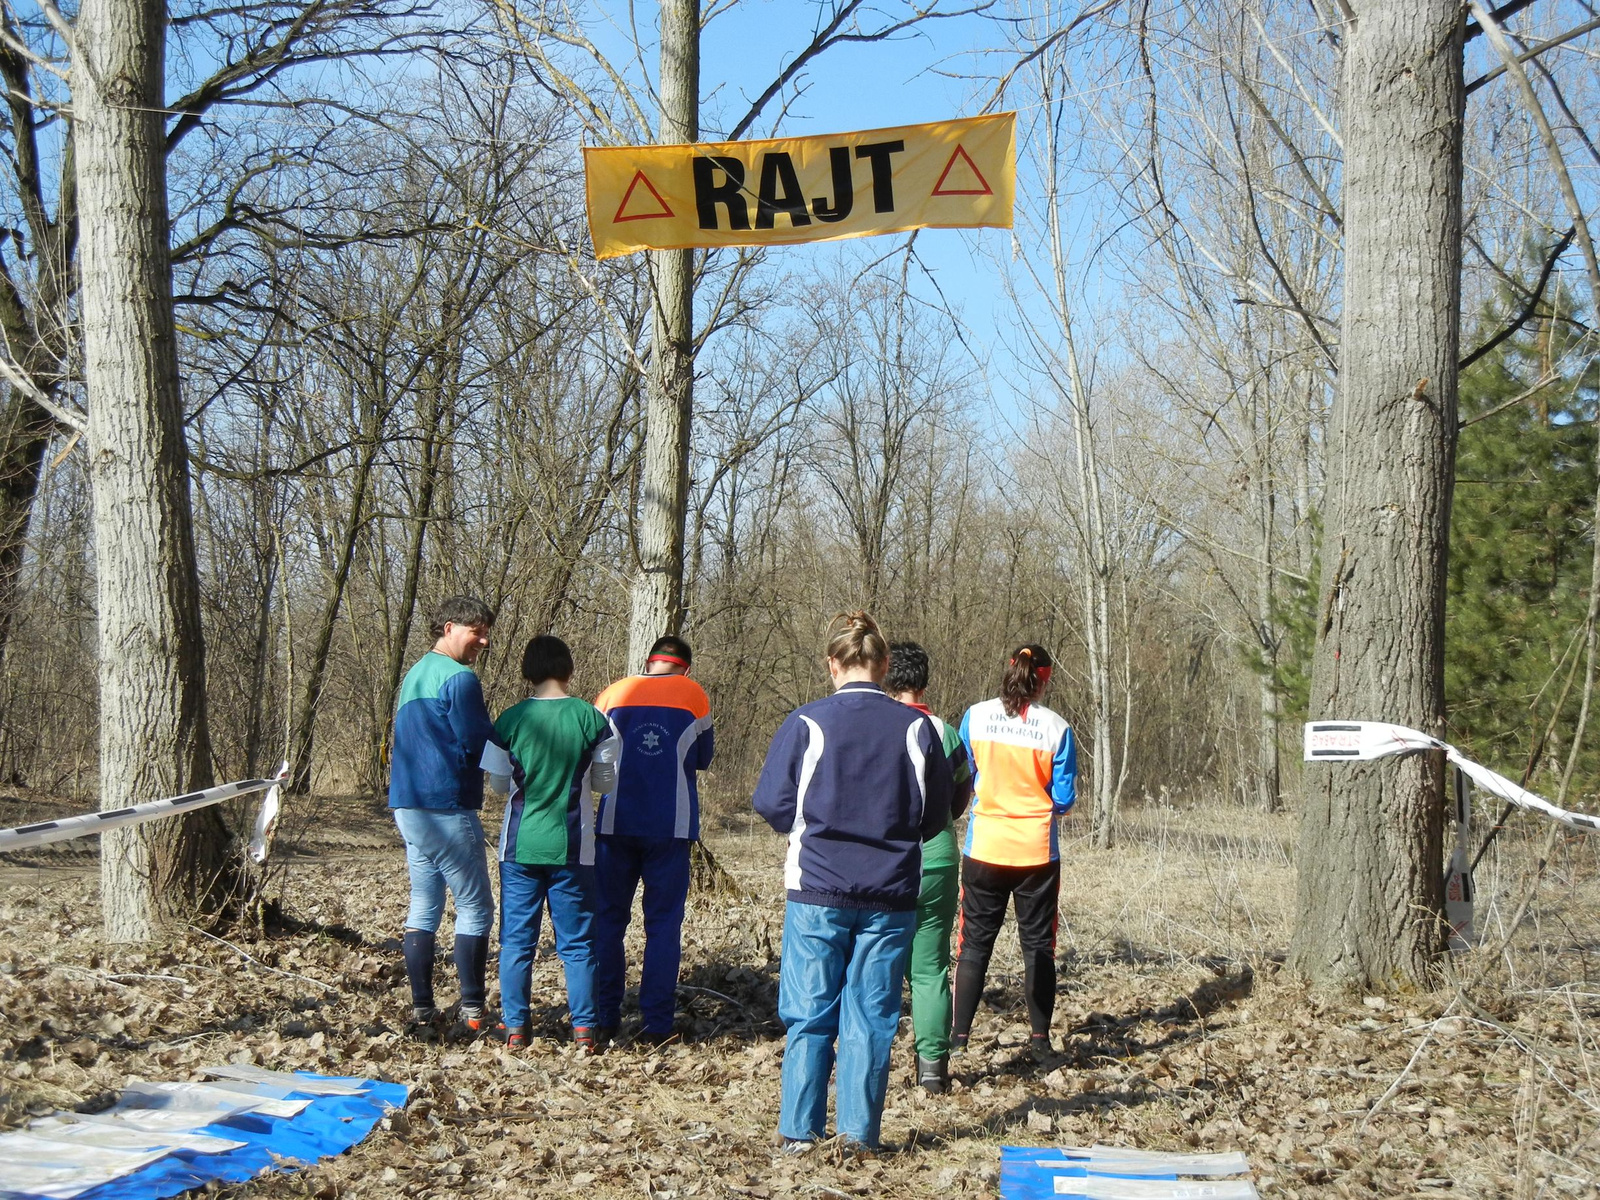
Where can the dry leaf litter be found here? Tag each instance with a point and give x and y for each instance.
(1176, 1028)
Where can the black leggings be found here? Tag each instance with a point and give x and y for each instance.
(1034, 892)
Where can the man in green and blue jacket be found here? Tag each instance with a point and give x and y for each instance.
(436, 791)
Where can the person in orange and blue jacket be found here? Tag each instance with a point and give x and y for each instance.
(1025, 765)
(662, 720)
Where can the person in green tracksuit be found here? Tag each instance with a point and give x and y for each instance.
(907, 682)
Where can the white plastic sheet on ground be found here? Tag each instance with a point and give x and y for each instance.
(1100, 1173)
(60, 1170)
(66, 1154)
(225, 1096)
(288, 1080)
(114, 1134)
(1101, 1187)
(1125, 1161)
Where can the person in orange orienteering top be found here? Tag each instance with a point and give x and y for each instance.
(1025, 766)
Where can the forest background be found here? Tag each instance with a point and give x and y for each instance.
(404, 376)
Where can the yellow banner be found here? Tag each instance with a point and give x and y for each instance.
(948, 174)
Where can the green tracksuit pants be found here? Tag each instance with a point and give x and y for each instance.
(930, 960)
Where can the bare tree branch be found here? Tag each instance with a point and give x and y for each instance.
(1528, 309)
(1534, 52)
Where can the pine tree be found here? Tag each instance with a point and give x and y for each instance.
(1521, 542)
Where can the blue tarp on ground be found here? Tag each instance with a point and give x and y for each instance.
(1031, 1174)
(328, 1125)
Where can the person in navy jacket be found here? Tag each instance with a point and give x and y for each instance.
(858, 781)
(662, 720)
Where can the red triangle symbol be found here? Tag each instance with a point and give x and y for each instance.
(662, 211)
(968, 176)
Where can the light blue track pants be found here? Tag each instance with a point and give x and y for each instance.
(444, 850)
(840, 980)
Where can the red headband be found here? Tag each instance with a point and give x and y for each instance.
(1043, 672)
(669, 658)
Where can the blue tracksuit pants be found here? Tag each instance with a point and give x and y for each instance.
(524, 891)
(839, 982)
(621, 865)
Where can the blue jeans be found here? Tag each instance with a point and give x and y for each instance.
(444, 849)
(621, 863)
(570, 892)
(840, 977)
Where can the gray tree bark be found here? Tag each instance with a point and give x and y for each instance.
(1268, 772)
(1096, 560)
(657, 602)
(33, 320)
(1370, 893)
(153, 738)
(303, 726)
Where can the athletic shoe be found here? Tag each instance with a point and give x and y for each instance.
(604, 1035)
(516, 1036)
(426, 1024)
(1039, 1046)
(475, 1017)
(958, 1043)
(933, 1075)
(583, 1038)
(797, 1146)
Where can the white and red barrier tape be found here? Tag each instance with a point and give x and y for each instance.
(1363, 741)
(43, 832)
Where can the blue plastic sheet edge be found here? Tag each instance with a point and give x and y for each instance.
(1031, 1174)
(327, 1126)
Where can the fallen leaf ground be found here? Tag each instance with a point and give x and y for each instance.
(1176, 1026)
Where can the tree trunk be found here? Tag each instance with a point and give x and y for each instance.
(1094, 542)
(1370, 895)
(1268, 771)
(260, 666)
(33, 321)
(303, 728)
(658, 588)
(438, 430)
(153, 739)
(25, 433)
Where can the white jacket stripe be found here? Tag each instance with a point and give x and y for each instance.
(808, 767)
(686, 741)
(919, 763)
